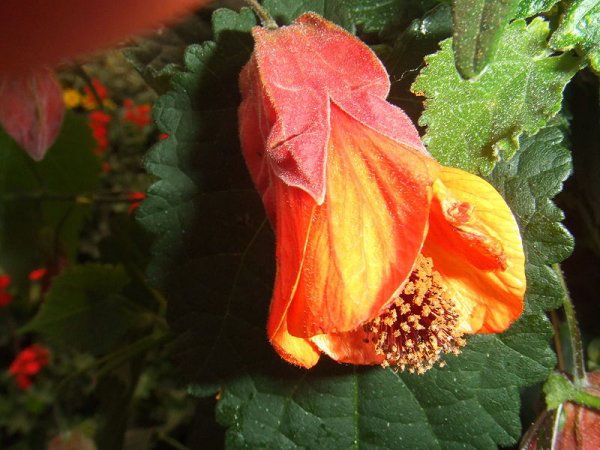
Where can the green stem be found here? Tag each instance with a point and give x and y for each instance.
(264, 16)
(586, 399)
(579, 374)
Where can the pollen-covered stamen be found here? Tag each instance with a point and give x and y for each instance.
(420, 325)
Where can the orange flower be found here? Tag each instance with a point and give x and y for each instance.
(383, 256)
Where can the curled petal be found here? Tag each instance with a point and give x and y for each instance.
(341, 70)
(475, 244)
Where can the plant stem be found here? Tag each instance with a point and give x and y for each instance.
(557, 344)
(579, 375)
(264, 16)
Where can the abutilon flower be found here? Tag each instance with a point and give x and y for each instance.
(383, 255)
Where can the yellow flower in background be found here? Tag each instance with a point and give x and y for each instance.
(71, 98)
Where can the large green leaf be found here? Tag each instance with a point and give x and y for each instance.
(470, 123)
(580, 28)
(39, 216)
(85, 308)
(214, 261)
(478, 25)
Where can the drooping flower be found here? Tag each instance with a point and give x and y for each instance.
(28, 363)
(383, 255)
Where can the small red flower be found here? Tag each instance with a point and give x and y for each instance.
(136, 199)
(99, 87)
(162, 136)
(38, 274)
(137, 114)
(5, 297)
(99, 121)
(28, 363)
(106, 167)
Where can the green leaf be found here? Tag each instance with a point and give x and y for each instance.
(403, 62)
(529, 8)
(478, 25)
(160, 56)
(214, 261)
(580, 28)
(471, 123)
(380, 15)
(372, 16)
(559, 389)
(84, 308)
(39, 217)
(285, 11)
(529, 181)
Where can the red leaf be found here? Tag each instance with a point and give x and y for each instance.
(32, 110)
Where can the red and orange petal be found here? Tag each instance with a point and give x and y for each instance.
(476, 247)
(340, 263)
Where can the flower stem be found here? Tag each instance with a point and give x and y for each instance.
(579, 375)
(264, 16)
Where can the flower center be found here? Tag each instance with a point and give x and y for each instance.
(419, 326)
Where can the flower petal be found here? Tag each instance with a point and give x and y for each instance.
(340, 263)
(302, 68)
(475, 245)
(349, 347)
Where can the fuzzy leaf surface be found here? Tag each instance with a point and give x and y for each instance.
(214, 261)
(471, 123)
(529, 8)
(478, 25)
(580, 28)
